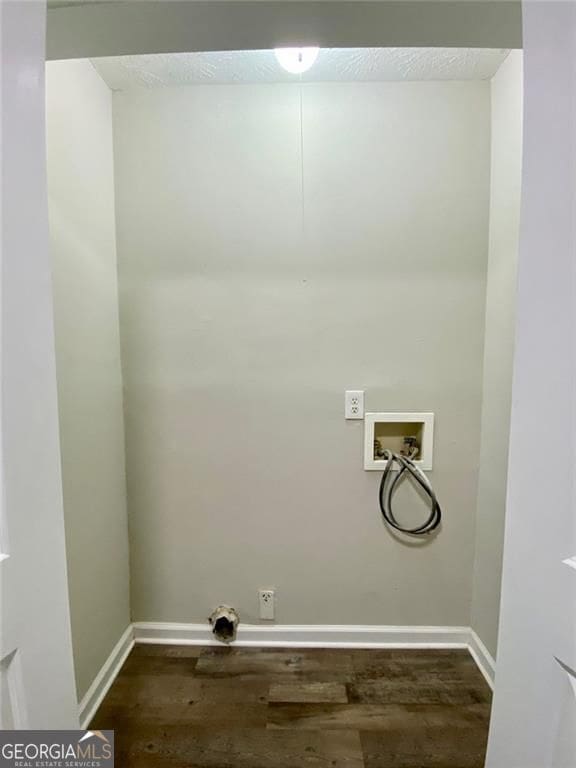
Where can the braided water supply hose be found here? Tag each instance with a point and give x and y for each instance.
(389, 483)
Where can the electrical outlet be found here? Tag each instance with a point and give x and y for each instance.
(266, 599)
(354, 404)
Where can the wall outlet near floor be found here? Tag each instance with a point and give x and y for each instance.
(266, 600)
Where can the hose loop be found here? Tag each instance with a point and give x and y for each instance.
(389, 484)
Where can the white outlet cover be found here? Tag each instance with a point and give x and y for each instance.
(267, 601)
(354, 404)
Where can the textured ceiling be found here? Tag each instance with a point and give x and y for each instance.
(333, 64)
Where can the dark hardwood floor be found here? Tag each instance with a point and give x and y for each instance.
(192, 707)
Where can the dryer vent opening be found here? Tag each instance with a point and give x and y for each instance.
(224, 621)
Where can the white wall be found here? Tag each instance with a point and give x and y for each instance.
(116, 29)
(506, 139)
(83, 250)
(534, 714)
(240, 334)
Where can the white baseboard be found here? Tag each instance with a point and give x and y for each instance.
(484, 660)
(284, 636)
(324, 636)
(104, 679)
(308, 636)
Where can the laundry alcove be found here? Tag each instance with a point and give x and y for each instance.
(233, 248)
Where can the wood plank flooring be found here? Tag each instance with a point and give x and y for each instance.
(193, 707)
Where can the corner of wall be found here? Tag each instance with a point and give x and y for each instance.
(85, 281)
(506, 159)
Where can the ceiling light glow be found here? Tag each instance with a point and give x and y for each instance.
(296, 60)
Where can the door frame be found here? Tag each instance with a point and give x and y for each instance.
(544, 384)
(533, 722)
(35, 639)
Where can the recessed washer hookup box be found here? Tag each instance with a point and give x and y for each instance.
(390, 430)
